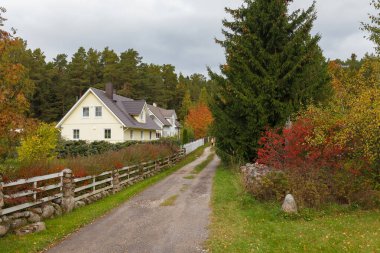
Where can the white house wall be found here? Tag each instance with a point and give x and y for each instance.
(92, 128)
(137, 135)
(169, 131)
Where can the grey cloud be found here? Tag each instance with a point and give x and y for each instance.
(178, 32)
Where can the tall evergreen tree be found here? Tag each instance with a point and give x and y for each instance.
(197, 81)
(93, 66)
(129, 72)
(274, 68)
(38, 73)
(170, 81)
(109, 61)
(60, 79)
(78, 75)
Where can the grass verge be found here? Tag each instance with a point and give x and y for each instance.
(241, 224)
(203, 164)
(170, 201)
(60, 227)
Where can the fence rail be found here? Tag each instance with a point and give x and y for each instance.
(38, 190)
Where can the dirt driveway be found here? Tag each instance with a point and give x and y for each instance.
(171, 216)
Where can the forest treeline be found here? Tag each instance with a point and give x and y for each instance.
(59, 83)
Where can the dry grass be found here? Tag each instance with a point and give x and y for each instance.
(92, 165)
(170, 201)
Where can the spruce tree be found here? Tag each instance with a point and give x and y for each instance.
(274, 67)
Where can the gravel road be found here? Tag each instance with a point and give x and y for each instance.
(144, 225)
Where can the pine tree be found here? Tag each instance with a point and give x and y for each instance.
(78, 75)
(93, 66)
(170, 81)
(109, 61)
(38, 73)
(129, 72)
(60, 79)
(274, 68)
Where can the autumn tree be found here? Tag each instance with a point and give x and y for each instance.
(199, 119)
(15, 88)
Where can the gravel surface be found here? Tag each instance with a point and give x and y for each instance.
(142, 225)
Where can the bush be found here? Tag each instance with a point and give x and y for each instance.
(316, 175)
(39, 144)
(67, 149)
(187, 134)
(272, 186)
(83, 148)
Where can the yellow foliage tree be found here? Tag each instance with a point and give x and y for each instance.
(352, 118)
(39, 144)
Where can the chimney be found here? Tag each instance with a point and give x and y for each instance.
(154, 104)
(109, 90)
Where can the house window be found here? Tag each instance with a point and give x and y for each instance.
(98, 111)
(158, 135)
(142, 135)
(150, 135)
(107, 133)
(76, 134)
(86, 112)
(131, 134)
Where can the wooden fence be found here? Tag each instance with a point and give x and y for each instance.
(38, 190)
(190, 147)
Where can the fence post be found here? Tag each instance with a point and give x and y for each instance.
(68, 188)
(115, 181)
(1, 194)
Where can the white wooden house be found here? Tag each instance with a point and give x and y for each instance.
(104, 116)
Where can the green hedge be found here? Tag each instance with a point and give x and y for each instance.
(83, 148)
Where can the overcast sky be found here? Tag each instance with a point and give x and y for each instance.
(178, 32)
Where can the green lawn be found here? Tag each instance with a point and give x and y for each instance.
(60, 227)
(241, 224)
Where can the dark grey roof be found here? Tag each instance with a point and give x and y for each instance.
(177, 124)
(134, 107)
(121, 111)
(167, 113)
(157, 112)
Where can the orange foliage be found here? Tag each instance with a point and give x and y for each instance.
(14, 89)
(199, 119)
